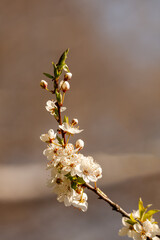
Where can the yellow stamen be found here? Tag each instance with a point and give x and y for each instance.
(68, 138)
(56, 144)
(82, 195)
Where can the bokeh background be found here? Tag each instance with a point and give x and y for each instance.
(115, 93)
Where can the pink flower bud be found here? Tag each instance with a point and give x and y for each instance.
(74, 121)
(80, 144)
(43, 84)
(67, 76)
(65, 86)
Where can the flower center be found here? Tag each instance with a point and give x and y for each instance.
(59, 181)
(85, 172)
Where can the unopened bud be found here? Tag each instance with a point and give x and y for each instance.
(43, 84)
(67, 76)
(60, 84)
(65, 86)
(74, 121)
(80, 144)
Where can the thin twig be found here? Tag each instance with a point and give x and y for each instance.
(59, 110)
(103, 196)
(60, 123)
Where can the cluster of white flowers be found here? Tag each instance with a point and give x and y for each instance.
(141, 225)
(70, 170)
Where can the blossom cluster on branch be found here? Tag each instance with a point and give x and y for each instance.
(141, 224)
(72, 172)
(70, 169)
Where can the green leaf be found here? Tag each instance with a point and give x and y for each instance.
(80, 181)
(132, 218)
(141, 208)
(68, 175)
(58, 96)
(56, 115)
(66, 119)
(60, 65)
(154, 222)
(130, 222)
(74, 185)
(48, 75)
(62, 59)
(56, 72)
(148, 206)
(61, 141)
(72, 178)
(149, 214)
(75, 180)
(56, 112)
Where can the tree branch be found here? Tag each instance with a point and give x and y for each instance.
(103, 196)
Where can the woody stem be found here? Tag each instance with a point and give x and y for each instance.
(103, 196)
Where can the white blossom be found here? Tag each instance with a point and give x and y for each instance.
(144, 230)
(79, 144)
(136, 214)
(51, 151)
(147, 229)
(69, 129)
(70, 163)
(68, 150)
(88, 169)
(51, 106)
(80, 201)
(48, 137)
(62, 187)
(127, 229)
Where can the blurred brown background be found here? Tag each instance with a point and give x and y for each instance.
(115, 93)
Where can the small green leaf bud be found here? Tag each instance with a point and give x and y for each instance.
(67, 76)
(43, 84)
(59, 97)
